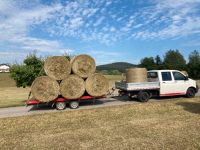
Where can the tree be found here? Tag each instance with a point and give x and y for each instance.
(159, 63)
(174, 60)
(25, 74)
(194, 65)
(148, 63)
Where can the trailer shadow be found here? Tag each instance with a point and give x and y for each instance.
(40, 107)
(192, 107)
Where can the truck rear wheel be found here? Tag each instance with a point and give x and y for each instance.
(143, 96)
(74, 104)
(190, 93)
(60, 105)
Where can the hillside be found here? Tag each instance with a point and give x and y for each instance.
(120, 66)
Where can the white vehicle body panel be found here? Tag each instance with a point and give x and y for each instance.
(166, 87)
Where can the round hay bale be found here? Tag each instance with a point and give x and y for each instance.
(185, 73)
(72, 87)
(45, 88)
(57, 67)
(136, 75)
(96, 85)
(83, 65)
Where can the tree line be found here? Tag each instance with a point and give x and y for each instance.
(32, 66)
(173, 59)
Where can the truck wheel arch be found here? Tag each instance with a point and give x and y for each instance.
(190, 92)
(143, 96)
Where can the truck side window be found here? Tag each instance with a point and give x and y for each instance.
(152, 77)
(178, 76)
(166, 76)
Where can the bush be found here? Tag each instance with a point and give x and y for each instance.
(25, 74)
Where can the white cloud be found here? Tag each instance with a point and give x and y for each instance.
(15, 26)
(95, 21)
(99, 21)
(170, 19)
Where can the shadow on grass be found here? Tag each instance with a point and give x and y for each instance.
(190, 106)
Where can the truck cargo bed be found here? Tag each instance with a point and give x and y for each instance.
(137, 86)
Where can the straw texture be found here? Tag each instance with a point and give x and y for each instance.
(136, 75)
(96, 85)
(45, 88)
(72, 87)
(83, 65)
(57, 67)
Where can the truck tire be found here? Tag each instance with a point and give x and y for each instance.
(143, 96)
(74, 104)
(60, 105)
(190, 93)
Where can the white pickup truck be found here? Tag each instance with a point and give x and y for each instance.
(160, 83)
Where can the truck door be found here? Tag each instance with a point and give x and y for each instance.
(167, 84)
(181, 82)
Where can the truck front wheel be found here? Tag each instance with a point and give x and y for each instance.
(190, 93)
(143, 96)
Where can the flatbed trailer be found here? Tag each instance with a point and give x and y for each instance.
(61, 103)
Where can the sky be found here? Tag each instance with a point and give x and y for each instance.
(108, 30)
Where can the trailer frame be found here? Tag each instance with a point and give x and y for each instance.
(60, 103)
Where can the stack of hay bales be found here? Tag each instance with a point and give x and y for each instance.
(134, 75)
(70, 79)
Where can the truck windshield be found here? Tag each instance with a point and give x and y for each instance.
(178, 76)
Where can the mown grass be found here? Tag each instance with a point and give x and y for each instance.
(10, 95)
(6, 80)
(113, 78)
(13, 96)
(164, 125)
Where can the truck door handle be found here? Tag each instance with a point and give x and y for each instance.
(163, 82)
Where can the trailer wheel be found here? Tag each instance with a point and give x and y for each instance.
(74, 104)
(143, 96)
(190, 93)
(60, 105)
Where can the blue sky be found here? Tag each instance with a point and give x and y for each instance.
(109, 30)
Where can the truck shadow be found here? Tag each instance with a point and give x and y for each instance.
(126, 98)
(192, 107)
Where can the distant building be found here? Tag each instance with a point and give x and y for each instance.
(4, 68)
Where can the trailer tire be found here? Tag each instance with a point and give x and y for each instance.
(60, 105)
(74, 104)
(190, 93)
(143, 96)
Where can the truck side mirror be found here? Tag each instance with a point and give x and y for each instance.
(186, 78)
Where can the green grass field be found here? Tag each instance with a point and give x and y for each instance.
(173, 124)
(6, 80)
(10, 95)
